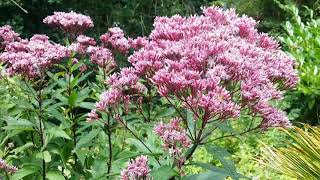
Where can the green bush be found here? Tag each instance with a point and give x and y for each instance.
(302, 41)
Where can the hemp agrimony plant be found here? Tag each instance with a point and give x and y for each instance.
(184, 85)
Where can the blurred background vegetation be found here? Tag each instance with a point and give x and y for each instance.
(295, 23)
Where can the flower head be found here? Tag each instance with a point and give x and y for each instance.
(216, 64)
(136, 169)
(92, 116)
(101, 56)
(116, 39)
(173, 136)
(71, 22)
(7, 35)
(30, 57)
(8, 168)
(86, 41)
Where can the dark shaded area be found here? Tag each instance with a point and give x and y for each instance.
(134, 16)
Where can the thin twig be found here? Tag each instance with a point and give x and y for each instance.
(25, 11)
(184, 120)
(231, 135)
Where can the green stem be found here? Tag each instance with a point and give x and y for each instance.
(73, 119)
(196, 143)
(108, 130)
(41, 130)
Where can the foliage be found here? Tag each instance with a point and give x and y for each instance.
(245, 150)
(302, 41)
(301, 159)
(270, 14)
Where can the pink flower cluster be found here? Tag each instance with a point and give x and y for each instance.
(217, 64)
(86, 41)
(101, 56)
(7, 35)
(30, 57)
(92, 116)
(71, 22)
(82, 44)
(137, 169)
(115, 39)
(124, 85)
(173, 135)
(271, 116)
(6, 167)
(138, 43)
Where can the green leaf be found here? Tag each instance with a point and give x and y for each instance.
(45, 155)
(210, 167)
(225, 158)
(165, 112)
(164, 172)
(56, 114)
(227, 127)
(86, 105)
(83, 77)
(72, 99)
(54, 175)
(83, 94)
(57, 132)
(215, 169)
(99, 168)
(22, 148)
(18, 124)
(87, 139)
(206, 176)
(23, 172)
(138, 145)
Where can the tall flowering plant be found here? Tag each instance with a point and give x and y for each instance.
(187, 80)
(216, 66)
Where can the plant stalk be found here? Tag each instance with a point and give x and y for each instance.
(110, 145)
(41, 130)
